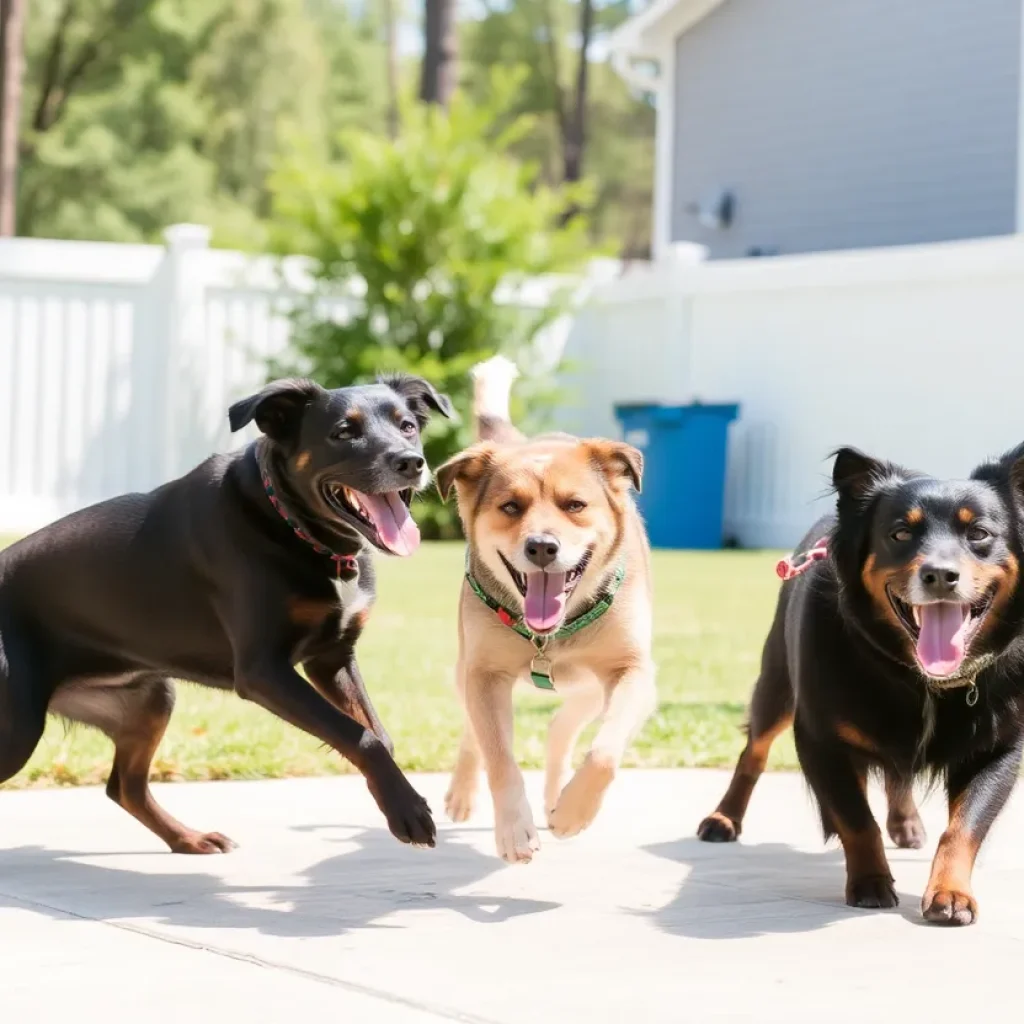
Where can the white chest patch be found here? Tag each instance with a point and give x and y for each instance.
(353, 600)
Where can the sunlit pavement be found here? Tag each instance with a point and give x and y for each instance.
(321, 910)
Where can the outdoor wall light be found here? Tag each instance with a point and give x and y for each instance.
(716, 213)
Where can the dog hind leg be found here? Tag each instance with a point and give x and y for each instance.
(135, 717)
(903, 823)
(460, 799)
(771, 712)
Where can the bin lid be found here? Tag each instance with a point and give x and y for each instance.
(663, 411)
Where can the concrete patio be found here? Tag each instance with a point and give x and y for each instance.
(320, 910)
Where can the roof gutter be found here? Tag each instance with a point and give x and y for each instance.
(623, 58)
(627, 46)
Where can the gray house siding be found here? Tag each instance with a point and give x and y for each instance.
(848, 123)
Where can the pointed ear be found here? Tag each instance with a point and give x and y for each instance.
(468, 467)
(855, 475)
(420, 395)
(1008, 469)
(619, 461)
(277, 409)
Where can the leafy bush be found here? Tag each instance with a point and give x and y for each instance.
(417, 249)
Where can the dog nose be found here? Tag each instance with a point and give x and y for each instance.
(939, 580)
(542, 549)
(408, 464)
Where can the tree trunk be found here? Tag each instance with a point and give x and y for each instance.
(575, 138)
(11, 24)
(440, 52)
(391, 43)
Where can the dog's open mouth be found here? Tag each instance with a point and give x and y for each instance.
(383, 519)
(942, 631)
(545, 594)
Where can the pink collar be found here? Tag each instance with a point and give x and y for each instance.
(341, 562)
(800, 561)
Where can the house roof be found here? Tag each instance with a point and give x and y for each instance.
(662, 21)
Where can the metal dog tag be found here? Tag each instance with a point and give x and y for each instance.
(541, 673)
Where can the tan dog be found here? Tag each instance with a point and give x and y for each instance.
(558, 589)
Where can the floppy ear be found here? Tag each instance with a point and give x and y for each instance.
(277, 409)
(468, 466)
(420, 395)
(618, 461)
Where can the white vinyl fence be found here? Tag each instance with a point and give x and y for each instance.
(118, 362)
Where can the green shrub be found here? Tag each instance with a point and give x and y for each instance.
(417, 235)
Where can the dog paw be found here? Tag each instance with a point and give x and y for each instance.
(907, 833)
(460, 800)
(947, 906)
(550, 803)
(874, 892)
(202, 843)
(717, 828)
(407, 813)
(515, 833)
(581, 799)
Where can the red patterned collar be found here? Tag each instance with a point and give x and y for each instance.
(343, 563)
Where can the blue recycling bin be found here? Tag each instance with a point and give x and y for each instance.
(684, 449)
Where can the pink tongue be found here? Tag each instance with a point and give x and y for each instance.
(397, 529)
(940, 647)
(545, 600)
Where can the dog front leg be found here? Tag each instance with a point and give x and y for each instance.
(337, 677)
(278, 688)
(631, 699)
(978, 790)
(489, 706)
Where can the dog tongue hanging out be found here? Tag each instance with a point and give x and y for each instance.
(896, 648)
(558, 593)
(389, 516)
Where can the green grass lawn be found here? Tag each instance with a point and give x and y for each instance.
(711, 613)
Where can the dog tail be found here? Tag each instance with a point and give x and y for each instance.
(492, 388)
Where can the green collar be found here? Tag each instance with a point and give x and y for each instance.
(540, 667)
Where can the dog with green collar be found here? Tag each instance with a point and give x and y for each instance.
(556, 593)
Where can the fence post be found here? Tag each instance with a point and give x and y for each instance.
(678, 368)
(182, 296)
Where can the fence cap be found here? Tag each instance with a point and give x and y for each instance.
(187, 236)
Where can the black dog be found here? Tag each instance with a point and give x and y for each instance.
(899, 652)
(251, 564)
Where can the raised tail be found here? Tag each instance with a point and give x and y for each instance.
(492, 388)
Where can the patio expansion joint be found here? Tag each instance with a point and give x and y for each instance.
(441, 1012)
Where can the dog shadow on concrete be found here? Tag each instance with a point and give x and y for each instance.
(357, 889)
(742, 890)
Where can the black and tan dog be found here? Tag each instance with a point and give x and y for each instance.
(252, 564)
(900, 652)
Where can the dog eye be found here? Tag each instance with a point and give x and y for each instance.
(901, 535)
(344, 431)
(408, 428)
(575, 505)
(977, 534)
(511, 508)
